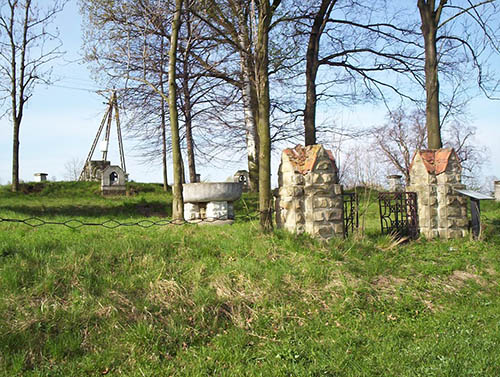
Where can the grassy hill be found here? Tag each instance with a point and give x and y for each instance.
(230, 301)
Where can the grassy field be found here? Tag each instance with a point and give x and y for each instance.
(229, 301)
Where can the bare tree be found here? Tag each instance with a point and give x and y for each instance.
(312, 66)
(455, 33)
(355, 53)
(27, 47)
(400, 137)
(405, 133)
(178, 202)
(361, 168)
(471, 155)
(73, 168)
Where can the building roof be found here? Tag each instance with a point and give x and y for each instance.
(303, 158)
(435, 160)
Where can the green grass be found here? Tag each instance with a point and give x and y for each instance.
(229, 301)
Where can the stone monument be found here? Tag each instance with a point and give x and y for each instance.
(41, 177)
(309, 197)
(395, 184)
(435, 174)
(113, 181)
(497, 191)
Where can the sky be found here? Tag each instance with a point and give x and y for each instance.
(61, 122)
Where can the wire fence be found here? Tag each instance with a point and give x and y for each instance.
(36, 222)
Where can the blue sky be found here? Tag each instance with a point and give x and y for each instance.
(61, 121)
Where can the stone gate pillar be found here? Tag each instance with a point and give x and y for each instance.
(434, 176)
(310, 198)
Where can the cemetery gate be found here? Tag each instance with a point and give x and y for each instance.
(398, 214)
(351, 216)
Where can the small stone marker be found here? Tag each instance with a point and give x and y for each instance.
(309, 196)
(395, 184)
(40, 177)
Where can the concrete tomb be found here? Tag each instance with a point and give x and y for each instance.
(309, 197)
(212, 201)
(436, 175)
(113, 181)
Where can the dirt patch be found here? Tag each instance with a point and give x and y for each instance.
(168, 293)
(387, 285)
(491, 271)
(459, 278)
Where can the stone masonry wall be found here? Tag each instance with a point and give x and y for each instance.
(442, 212)
(310, 198)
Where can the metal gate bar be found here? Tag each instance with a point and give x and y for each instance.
(398, 214)
(351, 216)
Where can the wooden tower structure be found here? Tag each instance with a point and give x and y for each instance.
(92, 169)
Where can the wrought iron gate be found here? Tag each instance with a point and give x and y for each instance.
(351, 217)
(398, 214)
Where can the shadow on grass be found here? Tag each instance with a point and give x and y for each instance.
(146, 209)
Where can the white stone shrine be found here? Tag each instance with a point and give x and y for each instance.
(113, 181)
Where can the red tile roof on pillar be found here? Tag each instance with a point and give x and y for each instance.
(303, 158)
(436, 160)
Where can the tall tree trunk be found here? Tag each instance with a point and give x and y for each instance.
(188, 108)
(312, 65)
(163, 120)
(252, 139)
(15, 156)
(262, 78)
(430, 21)
(178, 202)
(189, 134)
(250, 107)
(164, 143)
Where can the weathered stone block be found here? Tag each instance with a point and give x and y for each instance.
(191, 211)
(291, 191)
(292, 178)
(217, 210)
